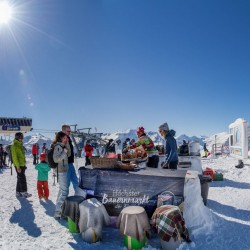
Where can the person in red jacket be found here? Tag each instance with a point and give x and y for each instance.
(88, 152)
(35, 152)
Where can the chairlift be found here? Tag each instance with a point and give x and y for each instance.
(79, 137)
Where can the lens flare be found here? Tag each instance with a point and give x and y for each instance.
(5, 13)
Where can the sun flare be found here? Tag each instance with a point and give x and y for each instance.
(5, 13)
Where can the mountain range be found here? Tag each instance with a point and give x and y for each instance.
(29, 140)
(220, 138)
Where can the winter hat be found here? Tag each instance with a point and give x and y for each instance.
(42, 157)
(19, 135)
(140, 130)
(164, 126)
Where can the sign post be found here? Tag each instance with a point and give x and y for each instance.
(238, 139)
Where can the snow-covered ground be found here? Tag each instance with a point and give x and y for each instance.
(29, 223)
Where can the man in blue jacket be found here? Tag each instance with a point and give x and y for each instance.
(171, 161)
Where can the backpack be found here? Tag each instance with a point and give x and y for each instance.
(50, 159)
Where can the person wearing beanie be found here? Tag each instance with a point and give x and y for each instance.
(42, 177)
(149, 147)
(164, 127)
(171, 161)
(18, 159)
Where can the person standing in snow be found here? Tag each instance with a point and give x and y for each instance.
(35, 153)
(132, 142)
(60, 155)
(44, 148)
(148, 145)
(88, 149)
(42, 177)
(72, 177)
(1, 156)
(18, 158)
(126, 143)
(110, 147)
(171, 153)
(205, 150)
(8, 151)
(118, 149)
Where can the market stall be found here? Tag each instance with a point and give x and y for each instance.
(117, 189)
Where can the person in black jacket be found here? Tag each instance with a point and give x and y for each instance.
(72, 177)
(110, 147)
(1, 156)
(126, 143)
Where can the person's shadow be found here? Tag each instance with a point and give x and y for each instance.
(24, 217)
(230, 183)
(49, 207)
(229, 211)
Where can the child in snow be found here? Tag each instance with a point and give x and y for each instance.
(42, 177)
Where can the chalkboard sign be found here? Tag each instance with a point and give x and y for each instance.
(117, 189)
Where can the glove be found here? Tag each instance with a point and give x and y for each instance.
(164, 164)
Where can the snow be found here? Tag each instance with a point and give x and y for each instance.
(29, 223)
(223, 224)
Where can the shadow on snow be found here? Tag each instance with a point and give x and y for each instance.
(25, 217)
(229, 211)
(225, 232)
(230, 183)
(49, 207)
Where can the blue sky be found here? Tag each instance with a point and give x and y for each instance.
(120, 64)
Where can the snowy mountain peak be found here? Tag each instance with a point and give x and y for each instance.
(36, 138)
(180, 139)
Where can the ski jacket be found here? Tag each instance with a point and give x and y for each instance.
(110, 148)
(147, 144)
(71, 156)
(60, 157)
(18, 154)
(171, 147)
(88, 150)
(35, 149)
(43, 170)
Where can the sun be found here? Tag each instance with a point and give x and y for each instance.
(5, 12)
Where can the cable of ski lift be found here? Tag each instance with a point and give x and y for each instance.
(44, 130)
